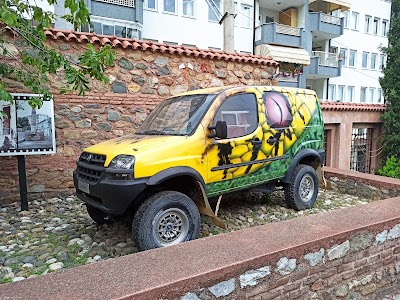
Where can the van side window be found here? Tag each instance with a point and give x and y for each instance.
(240, 113)
(278, 110)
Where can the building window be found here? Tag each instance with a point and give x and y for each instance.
(375, 29)
(385, 24)
(367, 24)
(365, 57)
(188, 8)
(119, 28)
(379, 95)
(343, 56)
(245, 15)
(345, 16)
(354, 20)
(127, 3)
(352, 58)
(331, 92)
(371, 94)
(340, 93)
(381, 61)
(171, 43)
(350, 93)
(363, 94)
(214, 10)
(150, 4)
(170, 6)
(335, 13)
(374, 58)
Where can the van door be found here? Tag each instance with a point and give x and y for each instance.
(257, 148)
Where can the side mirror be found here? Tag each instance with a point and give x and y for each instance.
(221, 130)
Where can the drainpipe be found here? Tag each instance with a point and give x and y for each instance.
(254, 26)
(327, 89)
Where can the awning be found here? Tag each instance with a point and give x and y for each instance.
(284, 54)
(329, 5)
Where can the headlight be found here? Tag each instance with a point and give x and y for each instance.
(122, 162)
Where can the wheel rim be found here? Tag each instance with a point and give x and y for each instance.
(306, 188)
(171, 227)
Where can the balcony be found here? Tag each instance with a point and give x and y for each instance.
(325, 27)
(274, 33)
(323, 65)
(328, 6)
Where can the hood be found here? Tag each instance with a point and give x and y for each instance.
(131, 145)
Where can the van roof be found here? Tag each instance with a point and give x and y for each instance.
(217, 90)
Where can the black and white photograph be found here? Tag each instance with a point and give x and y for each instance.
(26, 130)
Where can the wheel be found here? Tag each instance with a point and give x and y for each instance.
(165, 219)
(98, 216)
(302, 190)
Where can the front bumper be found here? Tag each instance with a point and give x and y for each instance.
(109, 195)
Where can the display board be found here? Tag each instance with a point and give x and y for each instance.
(25, 130)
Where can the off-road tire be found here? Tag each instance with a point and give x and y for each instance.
(166, 218)
(302, 190)
(98, 216)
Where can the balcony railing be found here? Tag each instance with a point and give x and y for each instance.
(326, 25)
(279, 34)
(330, 19)
(286, 29)
(327, 59)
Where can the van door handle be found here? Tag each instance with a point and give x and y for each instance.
(272, 140)
(256, 142)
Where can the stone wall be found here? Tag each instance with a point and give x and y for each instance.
(360, 184)
(139, 80)
(365, 266)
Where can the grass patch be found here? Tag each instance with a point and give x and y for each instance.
(81, 260)
(5, 280)
(39, 270)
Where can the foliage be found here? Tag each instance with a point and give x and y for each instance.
(391, 88)
(23, 122)
(391, 168)
(38, 60)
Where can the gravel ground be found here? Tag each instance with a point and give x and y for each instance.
(58, 233)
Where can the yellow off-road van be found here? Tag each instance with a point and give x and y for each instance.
(202, 144)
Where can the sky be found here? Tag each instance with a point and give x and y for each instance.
(43, 4)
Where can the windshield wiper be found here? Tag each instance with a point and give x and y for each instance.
(155, 132)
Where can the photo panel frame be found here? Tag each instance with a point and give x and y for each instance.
(25, 130)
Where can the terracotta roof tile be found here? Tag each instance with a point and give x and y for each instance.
(70, 35)
(326, 105)
(126, 44)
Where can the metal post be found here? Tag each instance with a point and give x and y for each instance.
(23, 191)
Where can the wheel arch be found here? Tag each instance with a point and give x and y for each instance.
(174, 172)
(179, 179)
(309, 157)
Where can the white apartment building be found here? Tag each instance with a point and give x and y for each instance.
(366, 26)
(196, 23)
(333, 44)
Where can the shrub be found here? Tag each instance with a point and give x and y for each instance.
(391, 168)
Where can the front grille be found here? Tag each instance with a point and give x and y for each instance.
(89, 170)
(88, 175)
(94, 159)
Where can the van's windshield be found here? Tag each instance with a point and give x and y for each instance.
(176, 116)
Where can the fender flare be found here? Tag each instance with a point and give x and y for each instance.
(174, 172)
(319, 155)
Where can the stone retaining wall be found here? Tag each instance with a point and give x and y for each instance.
(362, 185)
(365, 266)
